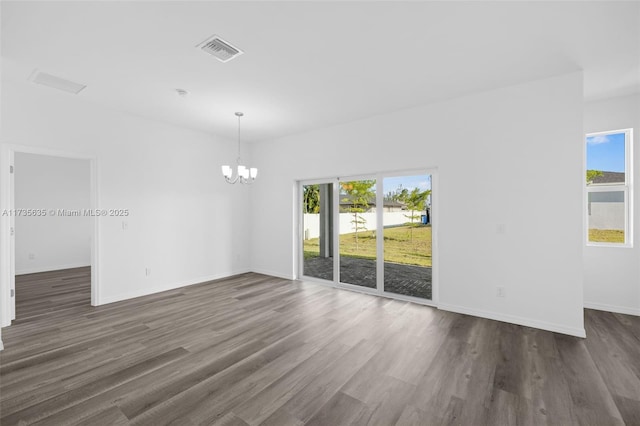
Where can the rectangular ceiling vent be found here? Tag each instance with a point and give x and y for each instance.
(56, 82)
(221, 49)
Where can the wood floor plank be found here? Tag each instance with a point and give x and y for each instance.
(414, 416)
(274, 396)
(551, 400)
(215, 396)
(385, 399)
(232, 420)
(111, 416)
(45, 385)
(592, 401)
(629, 408)
(201, 368)
(341, 410)
(253, 349)
(281, 417)
(444, 378)
(111, 397)
(310, 399)
(616, 354)
(72, 397)
(630, 322)
(508, 409)
(250, 380)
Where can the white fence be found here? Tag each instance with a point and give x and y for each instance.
(606, 210)
(312, 222)
(606, 216)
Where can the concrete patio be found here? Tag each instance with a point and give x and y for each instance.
(408, 280)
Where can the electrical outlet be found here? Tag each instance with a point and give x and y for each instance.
(32, 256)
(147, 271)
(501, 292)
(125, 226)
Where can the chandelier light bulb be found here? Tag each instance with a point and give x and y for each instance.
(244, 175)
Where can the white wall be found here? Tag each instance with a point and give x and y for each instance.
(612, 274)
(2, 231)
(187, 225)
(498, 154)
(51, 241)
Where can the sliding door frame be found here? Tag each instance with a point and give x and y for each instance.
(379, 290)
(336, 231)
(300, 240)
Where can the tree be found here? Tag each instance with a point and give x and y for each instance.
(311, 198)
(358, 194)
(398, 195)
(415, 200)
(591, 175)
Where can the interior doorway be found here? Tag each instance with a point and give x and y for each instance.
(52, 233)
(51, 241)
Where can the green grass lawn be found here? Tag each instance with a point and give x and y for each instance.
(606, 236)
(398, 245)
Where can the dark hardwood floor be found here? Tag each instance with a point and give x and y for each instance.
(254, 349)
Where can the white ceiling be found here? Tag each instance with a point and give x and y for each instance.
(312, 64)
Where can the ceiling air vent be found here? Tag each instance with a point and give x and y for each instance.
(221, 49)
(56, 82)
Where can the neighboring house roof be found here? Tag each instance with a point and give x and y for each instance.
(345, 200)
(608, 178)
(394, 204)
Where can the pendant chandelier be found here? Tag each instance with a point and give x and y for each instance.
(245, 175)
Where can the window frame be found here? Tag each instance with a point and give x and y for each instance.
(626, 188)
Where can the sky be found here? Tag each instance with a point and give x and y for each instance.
(423, 182)
(606, 153)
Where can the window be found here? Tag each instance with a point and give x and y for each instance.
(608, 183)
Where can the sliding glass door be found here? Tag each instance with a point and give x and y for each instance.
(317, 231)
(372, 233)
(358, 249)
(407, 235)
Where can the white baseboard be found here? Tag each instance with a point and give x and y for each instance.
(612, 308)
(527, 322)
(147, 291)
(272, 273)
(38, 269)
